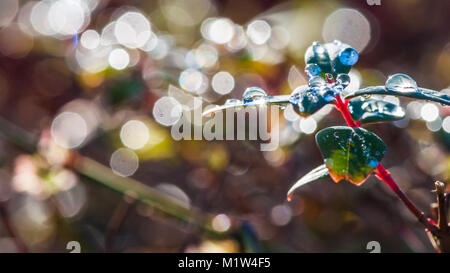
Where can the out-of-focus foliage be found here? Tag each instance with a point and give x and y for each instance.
(108, 79)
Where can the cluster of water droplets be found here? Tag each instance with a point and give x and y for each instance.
(327, 90)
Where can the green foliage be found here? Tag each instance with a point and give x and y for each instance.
(372, 110)
(307, 101)
(420, 94)
(350, 153)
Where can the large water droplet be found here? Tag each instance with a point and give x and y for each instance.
(348, 56)
(312, 70)
(401, 83)
(252, 94)
(328, 93)
(343, 79)
(316, 82)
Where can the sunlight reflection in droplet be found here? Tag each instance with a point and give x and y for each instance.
(281, 215)
(67, 17)
(132, 30)
(349, 26)
(221, 30)
(193, 81)
(90, 39)
(167, 111)
(429, 111)
(308, 125)
(134, 134)
(124, 162)
(69, 130)
(119, 59)
(446, 124)
(259, 32)
(221, 222)
(222, 82)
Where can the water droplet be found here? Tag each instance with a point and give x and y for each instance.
(348, 56)
(328, 93)
(401, 83)
(337, 42)
(312, 70)
(315, 82)
(252, 94)
(343, 79)
(232, 101)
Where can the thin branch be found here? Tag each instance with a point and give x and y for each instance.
(386, 177)
(116, 221)
(442, 209)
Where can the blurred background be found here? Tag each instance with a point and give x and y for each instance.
(88, 89)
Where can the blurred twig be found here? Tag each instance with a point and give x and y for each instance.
(443, 235)
(124, 185)
(118, 217)
(442, 209)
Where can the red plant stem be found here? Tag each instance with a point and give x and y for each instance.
(342, 107)
(383, 174)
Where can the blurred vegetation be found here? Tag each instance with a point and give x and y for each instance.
(70, 170)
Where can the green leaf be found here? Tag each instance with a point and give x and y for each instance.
(420, 93)
(350, 153)
(307, 101)
(372, 110)
(314, 175)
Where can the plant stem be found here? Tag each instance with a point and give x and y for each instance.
(343, 108)
(384, 175)
(116, 221)
(443, 237)
(442, 207)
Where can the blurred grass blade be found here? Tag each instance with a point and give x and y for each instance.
(124, 185)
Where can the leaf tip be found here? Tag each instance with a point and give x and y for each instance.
(289, 196)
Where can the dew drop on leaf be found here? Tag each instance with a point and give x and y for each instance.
(312, 70)
(343, 79)
(401, 83)
(315, 82)
(348, 56)
(328, 93)
(252, 94)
